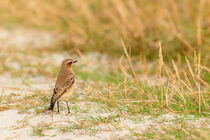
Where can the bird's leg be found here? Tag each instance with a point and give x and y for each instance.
(58, 106)
(67, 108)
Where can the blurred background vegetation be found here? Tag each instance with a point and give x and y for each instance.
(182, 26)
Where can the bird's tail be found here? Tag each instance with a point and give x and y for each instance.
(52, 103)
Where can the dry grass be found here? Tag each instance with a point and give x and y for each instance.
(182, 91)
(112, 89)
(176, 87)
(181, 26)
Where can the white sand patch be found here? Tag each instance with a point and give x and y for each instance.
(11, 129)
(152, 80)
(22, 38)
(96, 61)
(8, 119)
(20, 86)
(23, 126)
(13, 65)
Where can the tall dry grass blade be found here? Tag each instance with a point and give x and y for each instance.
(176, 70)
(113, 97)
(195, 62)
(125, 77)
(188, 85)
(203, 82)
(169, 73)
(199, 85)
(190, 69)
(205, 68)
(160, 60)
(199, 69)
(180, 86)
(129, 60)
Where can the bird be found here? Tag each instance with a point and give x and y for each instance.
(64, 84)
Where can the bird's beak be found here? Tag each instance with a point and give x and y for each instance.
(75, 61)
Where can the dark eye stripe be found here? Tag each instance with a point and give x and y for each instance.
(69, 62)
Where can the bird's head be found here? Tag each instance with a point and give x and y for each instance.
(67, 63)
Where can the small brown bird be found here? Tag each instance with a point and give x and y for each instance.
(64, 84)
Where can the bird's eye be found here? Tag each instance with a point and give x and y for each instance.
(70, 63)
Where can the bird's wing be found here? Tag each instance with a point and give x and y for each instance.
(59, 91)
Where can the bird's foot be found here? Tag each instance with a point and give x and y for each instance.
(68, 113)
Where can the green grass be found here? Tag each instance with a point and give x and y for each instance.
(37, 131)
(120, 91)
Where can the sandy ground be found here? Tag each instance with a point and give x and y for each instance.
(15, 125)
(22, 38)
(20, 126)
